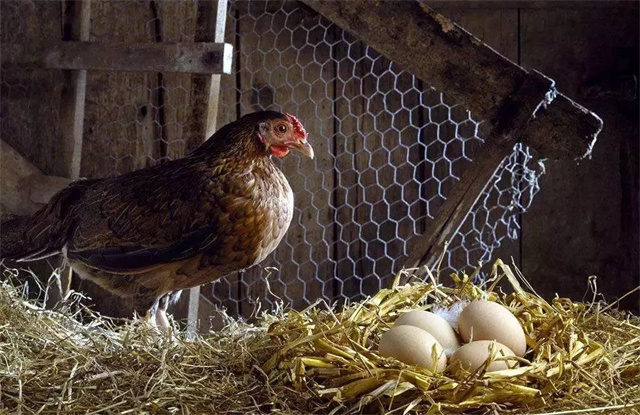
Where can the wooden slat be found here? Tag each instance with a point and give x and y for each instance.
(121, 131)
(450, 59)
(72, 103)
(204, 58)
(214, 16)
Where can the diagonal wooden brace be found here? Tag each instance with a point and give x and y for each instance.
(533, 96)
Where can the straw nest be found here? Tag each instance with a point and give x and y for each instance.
(583, 358)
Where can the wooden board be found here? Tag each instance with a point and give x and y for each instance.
(585, 220)
(30, 99)
(122, 120)
(499, 29)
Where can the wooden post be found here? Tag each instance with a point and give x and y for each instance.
(215, 19)
(72, 102)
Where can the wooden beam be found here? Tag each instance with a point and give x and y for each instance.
(536, 93)
(214, 17)
(454, 61)
(77, 15)
(203, 58)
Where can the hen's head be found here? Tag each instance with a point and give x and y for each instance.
(281, 133)
(274, 133)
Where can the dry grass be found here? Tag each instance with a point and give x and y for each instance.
(584, 358)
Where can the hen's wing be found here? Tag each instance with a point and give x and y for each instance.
(148, 218)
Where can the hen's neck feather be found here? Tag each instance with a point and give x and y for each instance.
(232, 141)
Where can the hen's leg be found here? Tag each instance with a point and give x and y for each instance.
(145, 305)
(161, 314)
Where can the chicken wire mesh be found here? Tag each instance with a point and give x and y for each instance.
(388, 147)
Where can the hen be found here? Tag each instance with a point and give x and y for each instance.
(148, 234)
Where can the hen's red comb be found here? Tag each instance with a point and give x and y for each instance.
(297, 125)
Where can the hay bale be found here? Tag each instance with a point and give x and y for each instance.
(584, 358)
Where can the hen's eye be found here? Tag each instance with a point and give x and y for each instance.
(281, 128)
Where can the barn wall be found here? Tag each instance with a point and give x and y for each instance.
(583, 222)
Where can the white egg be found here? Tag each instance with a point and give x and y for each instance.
(486, 320)
(413, 346)
(473, 355)
(433, 324)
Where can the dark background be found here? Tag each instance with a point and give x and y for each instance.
(583, 222)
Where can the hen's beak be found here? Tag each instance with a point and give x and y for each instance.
(302, 147)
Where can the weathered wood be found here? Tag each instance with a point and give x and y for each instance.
(498, 28)
(77, 17)
(215, 23)
(219, 20)
(121, 131)
(452, 60)
(177, 22)
(204, 58)
(585, 220)
(30, 98)
(535, 93)
(23, 188)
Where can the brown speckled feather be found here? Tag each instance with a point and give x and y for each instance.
(169, 227)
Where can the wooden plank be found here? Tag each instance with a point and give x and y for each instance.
(30, 98)
(78, 18)
(201, 57)
(498, 27)
(585, 220)
(176, 22)
(293, 70)
(122, 118)
(534, 94)
(217, 17)
(212, 86)
(470, 72)
(224, 293)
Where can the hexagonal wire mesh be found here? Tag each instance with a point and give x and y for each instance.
(388, 148)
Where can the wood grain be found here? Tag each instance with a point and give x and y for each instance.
(498, 28)
(451, 59)
(585, 220)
